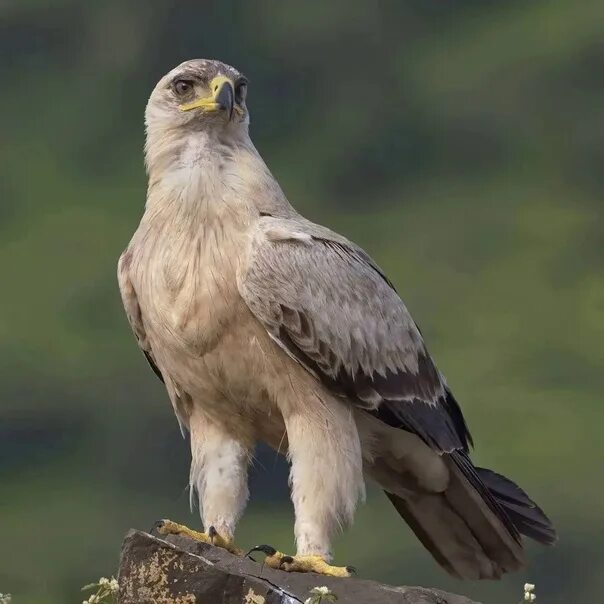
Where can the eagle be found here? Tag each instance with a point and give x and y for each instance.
(267, 327)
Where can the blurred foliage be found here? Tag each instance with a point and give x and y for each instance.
(460, 143)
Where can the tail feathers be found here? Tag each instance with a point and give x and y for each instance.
(473, 528)
(444, 533)
(528, 518)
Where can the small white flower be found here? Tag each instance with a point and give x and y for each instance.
(114, 585)
(530, 587)
(105, 581)
(321, 591)
(529, 597)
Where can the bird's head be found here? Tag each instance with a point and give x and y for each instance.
(199, 95)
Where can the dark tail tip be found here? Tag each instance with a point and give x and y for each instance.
(525, 514)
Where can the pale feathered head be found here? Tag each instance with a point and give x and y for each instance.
(199, 100)
(199, 94)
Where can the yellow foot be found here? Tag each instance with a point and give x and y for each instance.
(167, 527)
(301, 564)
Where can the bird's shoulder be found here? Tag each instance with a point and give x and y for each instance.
(293, 236)
(276, 227)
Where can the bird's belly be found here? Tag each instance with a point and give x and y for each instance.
(228, 382)
(240, 366)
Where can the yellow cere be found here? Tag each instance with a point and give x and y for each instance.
(218, 81)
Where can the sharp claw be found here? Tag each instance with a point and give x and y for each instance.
(352, 570)
(265, 549)
(158, 525)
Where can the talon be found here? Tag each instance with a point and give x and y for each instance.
(301, 564)
(265, 549)
(165, 527)
(213, 537)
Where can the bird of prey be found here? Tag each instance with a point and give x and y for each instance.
(264, 326)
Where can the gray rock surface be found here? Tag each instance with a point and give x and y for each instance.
(178, 570)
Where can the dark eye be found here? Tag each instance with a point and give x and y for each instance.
(240, 92)
(181, 87)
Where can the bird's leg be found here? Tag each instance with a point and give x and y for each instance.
(168, 527)
(219, 477)
(327, 481)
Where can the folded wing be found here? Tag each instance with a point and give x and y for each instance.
(329, 306)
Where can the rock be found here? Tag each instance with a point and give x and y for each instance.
(179, 570)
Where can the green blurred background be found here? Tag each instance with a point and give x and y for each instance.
(461, 143)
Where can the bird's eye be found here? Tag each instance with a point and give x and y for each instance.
(181, 87)
(240, 92)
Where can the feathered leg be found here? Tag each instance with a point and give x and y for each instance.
(219, 477)
(326, 483)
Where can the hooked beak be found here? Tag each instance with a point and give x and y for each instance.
(221, 99)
